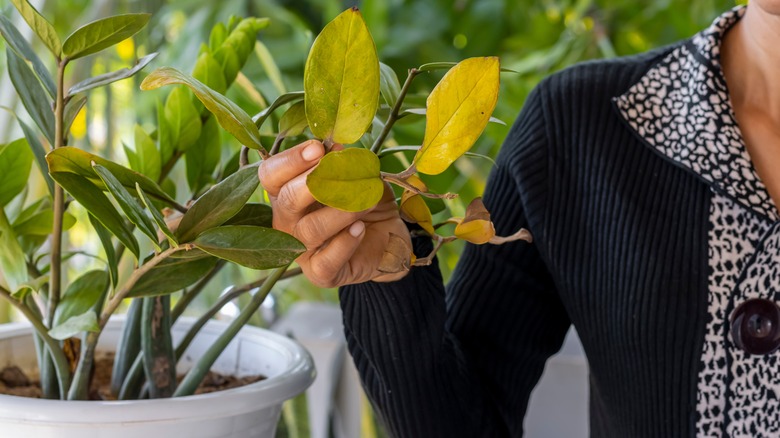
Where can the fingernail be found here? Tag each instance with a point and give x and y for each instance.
(312, 152)
(356, 229)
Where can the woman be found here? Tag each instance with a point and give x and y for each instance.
(650, 189)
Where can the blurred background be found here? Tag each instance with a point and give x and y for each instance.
(532, 37)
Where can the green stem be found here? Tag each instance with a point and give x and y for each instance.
(198, 372)
(59, 199)
(81, 380)
(394, 113)
(221, 302)
(60, 361)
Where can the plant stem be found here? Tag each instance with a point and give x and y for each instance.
(221, 302)
(394, 113)
(243, 158)
(277, 144)
(196, 374)
(168, 166)
(60, 361)
(81, 381)
(59, 198)
(400, 180)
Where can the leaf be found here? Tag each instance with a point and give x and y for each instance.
(164, 134)
(105, 239)
(32, 286)
(107, 78)
(159, 359)
(393, 150)
(183, 119)
(15, 163)
(202, 158)
(261, 117)
(459, 108)
(422, 111)
(23, 49)
(12, 260)
(218, 34)
(41, 223)
(476, 227)
(341, 80)
(157, 216)
(389, 86)
(86, 322)
(93, 199)
(37, 149)
(348, 180)
(431, 66)
(250, 246)
(72, 108)
(209, 72)
(219, 204)
(228, 63)
(397, 256)
(269, 67)
(172, 275)
(127, 203)
(74, 160)
(147, 155)
(39, 25)
(81, 295)
(31, 93)
(293, 121)
(259, 215)
(101, 34)
(229, 115)
(413, 208)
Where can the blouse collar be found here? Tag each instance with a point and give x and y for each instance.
(681, 109)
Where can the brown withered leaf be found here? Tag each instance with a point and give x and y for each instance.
(476, 227)
(397, 256)
(413, 208)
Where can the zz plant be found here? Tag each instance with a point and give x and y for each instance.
(340, 104)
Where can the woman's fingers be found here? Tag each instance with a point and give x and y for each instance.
(320, 225)
(332, 266)
(278, 170)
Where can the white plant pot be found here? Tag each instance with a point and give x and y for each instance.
(249, 411)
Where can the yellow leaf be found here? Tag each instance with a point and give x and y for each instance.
(79, 127)
(476, 227)
(126, 49)
(458, 110)
(348, 180)
(341, 80)
(413, 207)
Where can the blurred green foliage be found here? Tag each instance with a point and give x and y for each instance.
(534, 38)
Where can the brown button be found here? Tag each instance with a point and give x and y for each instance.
(755, 326)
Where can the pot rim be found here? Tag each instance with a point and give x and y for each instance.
(298, 375)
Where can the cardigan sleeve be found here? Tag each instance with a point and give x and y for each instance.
(463, 361)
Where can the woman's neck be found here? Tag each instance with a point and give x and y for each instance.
(750, 57)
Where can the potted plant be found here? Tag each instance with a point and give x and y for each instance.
(71, 322)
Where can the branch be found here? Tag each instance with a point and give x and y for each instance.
(394, 113)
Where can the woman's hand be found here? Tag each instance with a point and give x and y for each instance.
(342, 247)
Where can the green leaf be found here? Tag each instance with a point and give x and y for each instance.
(218, 34)
(293, 121)
(270, 67)
(15, 163)
(108, 245)
(202, 158)
(39, 25)
(209, 72)
(101, 34)
(228, 63)
(86, 322)
(229, 115)
(261, 117)
(33, 286)
(389, 86)
(348, 180)
(172, 275)
(458, 110)
(259, 215)
(37, 149)
(341, 80)
(238, 45)
(182, 118)
(12, 260)
(81, 295)
(165, 142)
(93, 199)
(107, 78)
(147, 154)
(253, 247)
(41, 223)
(72, 108)
(157, 216)
(74, 160)
(132, 158)
(127, 203)
(32, 95)
(18, 44)
(219, 204)
(159, 359)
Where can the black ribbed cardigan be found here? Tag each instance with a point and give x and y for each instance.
(620, 251)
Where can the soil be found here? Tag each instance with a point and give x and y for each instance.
(13, 381)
